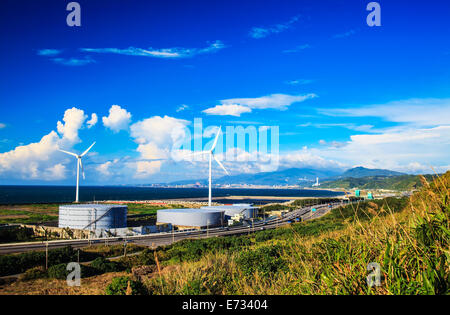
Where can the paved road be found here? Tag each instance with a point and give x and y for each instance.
(158, 239)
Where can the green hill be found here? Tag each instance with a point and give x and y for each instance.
(402, 182)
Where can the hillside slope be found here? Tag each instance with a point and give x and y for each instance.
(401, 183)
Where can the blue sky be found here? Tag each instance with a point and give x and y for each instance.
(342, 93)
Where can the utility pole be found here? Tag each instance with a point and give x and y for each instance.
(46, 255)
(173, 234)
(125, 247)
(78, 255)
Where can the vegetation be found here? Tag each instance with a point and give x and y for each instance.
(125, 286)
(15, 234)
(407, 237)
(400, 183)
(19, 263)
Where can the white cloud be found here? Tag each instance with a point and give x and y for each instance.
(73, 62)
(49, 52)
(30, 161)
(118, 119)
(104, 168)
(93, 121)
(182, 108)
(55, 172)
(168, 53)
(299, 82)
(228, 110)
(274, 101)
(238, 106)
(297, 49)
(41, 160)
(156, 136)
(345, 34)
(419, 112)
(401, 149)
(73, 121)
(2, 125)
(262, 32)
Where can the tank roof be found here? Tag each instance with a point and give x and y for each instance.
(190, 210)
(92, 205)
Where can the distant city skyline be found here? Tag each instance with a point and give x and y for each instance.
(342, 94)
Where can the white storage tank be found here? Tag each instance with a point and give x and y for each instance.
(246, 210)
(196, 218)
(93, 216)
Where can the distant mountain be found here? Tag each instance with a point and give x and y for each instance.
(401, 182)
(358, 172)
(291, 176)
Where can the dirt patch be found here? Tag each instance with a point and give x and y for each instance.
(89, 286)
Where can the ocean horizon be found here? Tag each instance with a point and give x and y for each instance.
(21, 194)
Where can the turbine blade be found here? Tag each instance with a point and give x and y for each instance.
(82, 169)
(221, 165)
(84, 153)
(217, 138)
(67, 152)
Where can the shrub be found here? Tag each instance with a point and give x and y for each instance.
(103, 265)
(119, 286)
(60, 271)
(265, 260)
(34, 273)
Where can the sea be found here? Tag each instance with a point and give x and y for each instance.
(63, 194)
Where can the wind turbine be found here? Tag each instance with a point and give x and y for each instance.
(79, 164)
(212, 156)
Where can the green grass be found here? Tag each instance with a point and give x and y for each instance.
(408, 238)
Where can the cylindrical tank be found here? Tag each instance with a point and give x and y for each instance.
(191, 217)
(247, 210)
(93, 216)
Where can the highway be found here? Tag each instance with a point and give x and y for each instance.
(165, 238)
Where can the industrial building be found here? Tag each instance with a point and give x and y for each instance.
(247, 211)
(93, 216)
(191, 218)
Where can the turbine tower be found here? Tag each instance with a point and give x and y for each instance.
(212, 156)
(79, 164)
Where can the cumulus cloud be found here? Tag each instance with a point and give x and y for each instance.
(73, 121)
(30, 161)
(238, 106)
(93, 121)
(104, 168)
(155, 137)
(118, 119)
(41, 160)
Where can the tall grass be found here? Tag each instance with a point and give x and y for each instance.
(410, 244)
